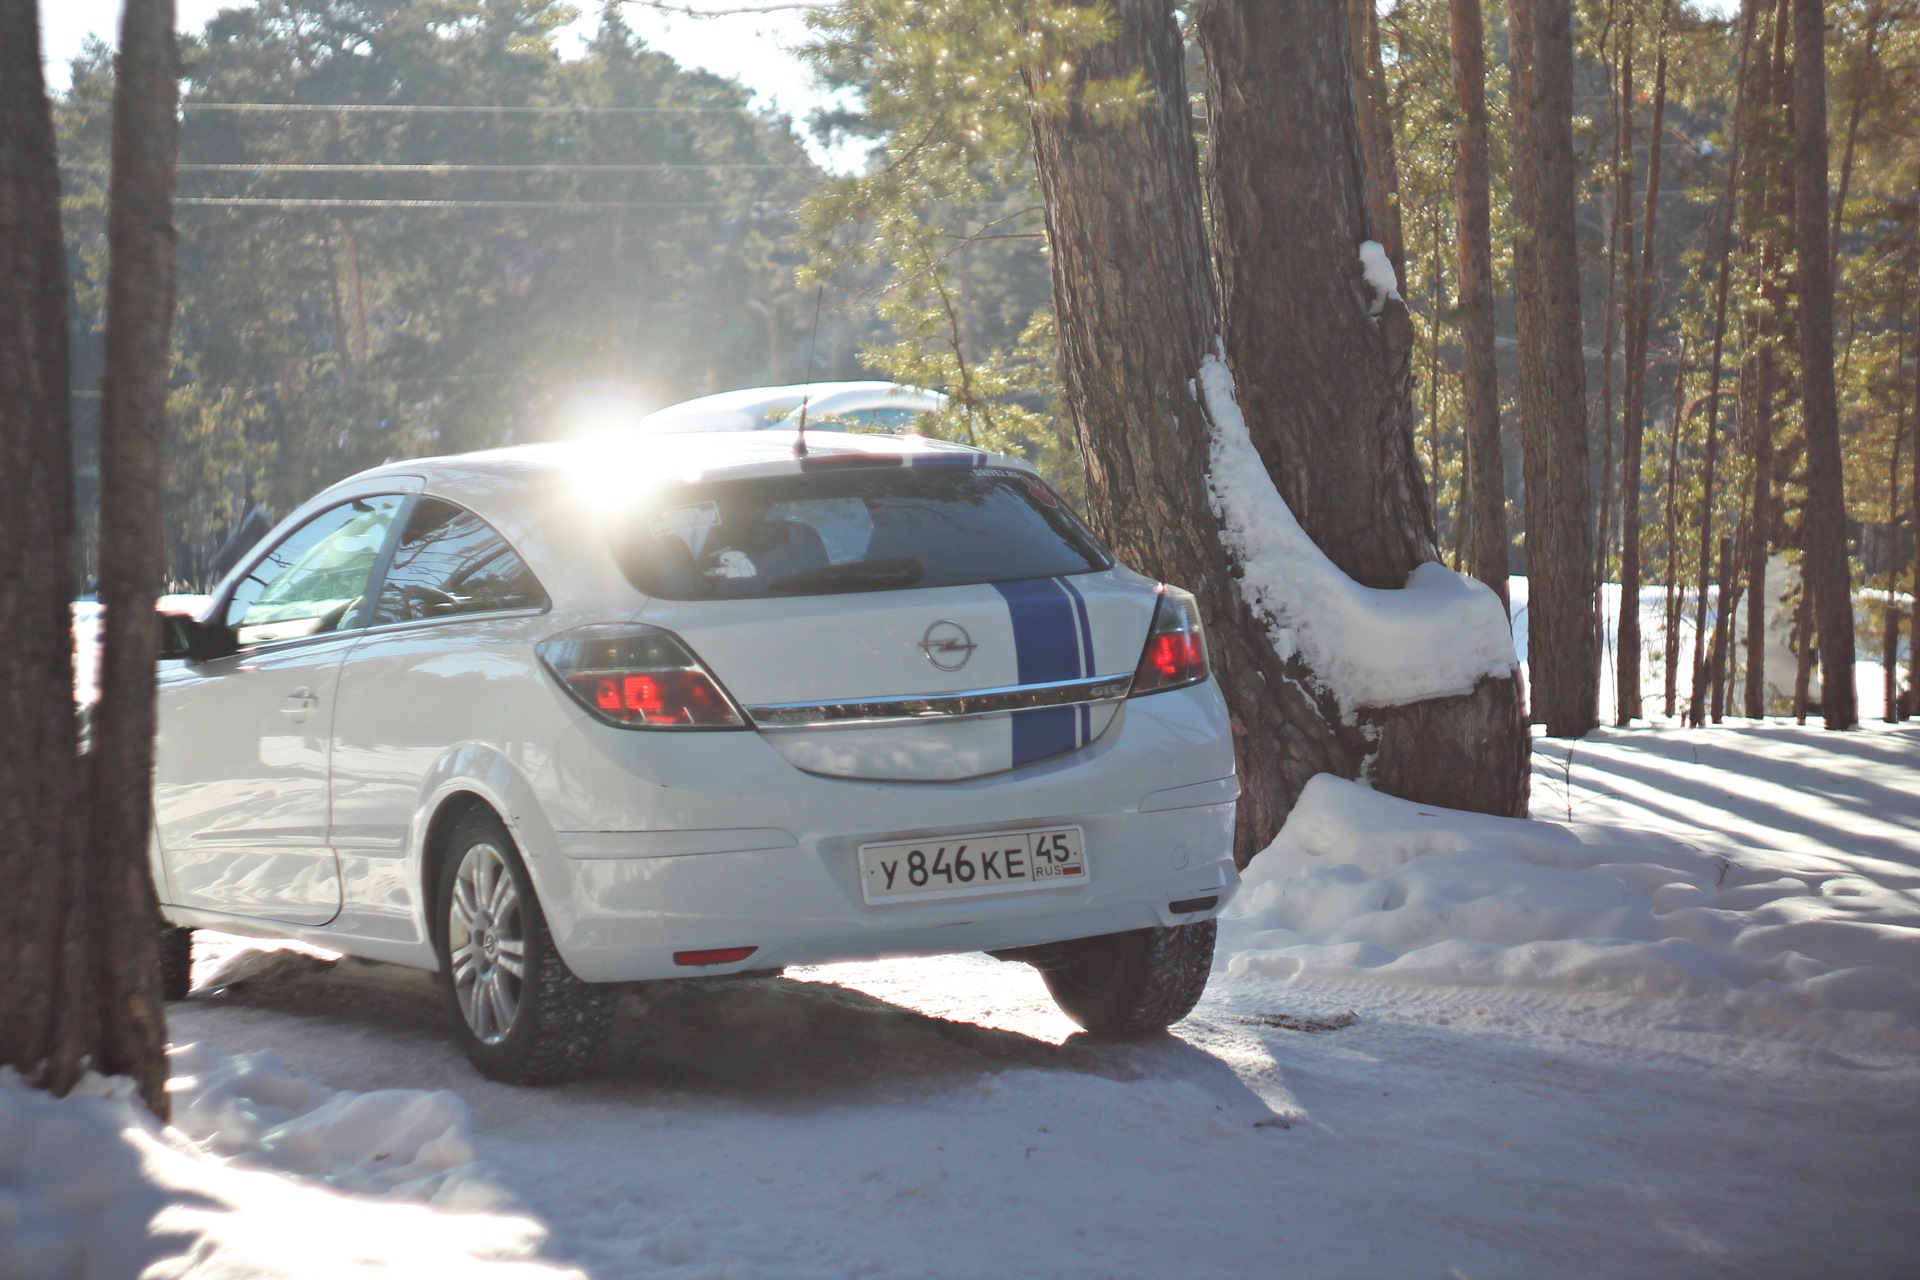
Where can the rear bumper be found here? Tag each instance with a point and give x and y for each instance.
(802, 905)
(660, 844)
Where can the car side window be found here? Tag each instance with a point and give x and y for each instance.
(450, 562)
(313, 580)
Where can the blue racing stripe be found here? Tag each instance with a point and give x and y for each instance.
(1044, 650)
(1086, 652)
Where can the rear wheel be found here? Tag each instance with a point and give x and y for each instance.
(176, 961)
(1130, 983)
(518, 1012)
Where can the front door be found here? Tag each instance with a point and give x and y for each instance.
(240, 783)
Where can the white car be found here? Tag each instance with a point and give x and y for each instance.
(881, 406)
(557, 717)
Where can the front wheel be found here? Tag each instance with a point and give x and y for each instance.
(1130, 983)
(519, 1013)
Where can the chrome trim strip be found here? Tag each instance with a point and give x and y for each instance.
(919, 708)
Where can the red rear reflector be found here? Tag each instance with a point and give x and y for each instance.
(718, 955)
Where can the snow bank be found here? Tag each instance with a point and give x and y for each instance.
(1437, 637)
(91, 1188)
(1360, 885)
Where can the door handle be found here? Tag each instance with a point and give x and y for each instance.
(299, 705)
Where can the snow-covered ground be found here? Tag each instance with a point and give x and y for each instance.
(1679, 1037)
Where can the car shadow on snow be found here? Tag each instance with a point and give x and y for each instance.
(770, 1039)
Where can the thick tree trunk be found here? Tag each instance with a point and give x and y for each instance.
(1633, 431)
(140, 246)
(44, 982)
(1563, 651)
(1473, 248)
(1136, 316)
(1824, 525)
(1325, 386)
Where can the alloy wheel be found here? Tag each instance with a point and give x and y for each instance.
(486, 940)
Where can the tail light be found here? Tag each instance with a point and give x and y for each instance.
(638, 677)
(1176, 652)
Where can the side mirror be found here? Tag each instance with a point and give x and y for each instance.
(183, 636)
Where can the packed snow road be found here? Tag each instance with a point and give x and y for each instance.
(1681, 1039)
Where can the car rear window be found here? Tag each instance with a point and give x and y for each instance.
(851, 528)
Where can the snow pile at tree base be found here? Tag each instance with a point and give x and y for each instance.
(92, 1188)
(1361, 886)
(1437, 637)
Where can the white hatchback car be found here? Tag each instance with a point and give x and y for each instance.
(557, 717)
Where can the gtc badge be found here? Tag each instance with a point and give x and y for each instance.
(947, 645)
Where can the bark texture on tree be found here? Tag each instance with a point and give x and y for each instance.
(1136, 314)
(1824, 523)
(1373, 112)
(140, 248)
(1563, 650)
(44, 1006)
(1747, 96)
(1634, 424)
(1473, 261)
(1325, 386)
(1322, 383)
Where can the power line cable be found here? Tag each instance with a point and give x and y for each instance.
(423, 108)
(103, 166)
(358, 203)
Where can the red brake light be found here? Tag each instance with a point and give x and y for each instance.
(638, 677)
(1176, 650)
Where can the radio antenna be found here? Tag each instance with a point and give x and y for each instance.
(800, 442)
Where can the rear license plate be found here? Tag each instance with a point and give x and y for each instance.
(966, 866)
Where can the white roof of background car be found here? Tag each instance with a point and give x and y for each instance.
(688, 454)
(755, 408)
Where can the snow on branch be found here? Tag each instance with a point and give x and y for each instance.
(1436, 637)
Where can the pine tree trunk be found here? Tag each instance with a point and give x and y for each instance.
(1325, 387)
(1759, 378)
(140, 245)
(1136, 314)
(1374, 108)
(44, 981)
(1473, 248)
(1633, 433)
(1890, 615)
(1619, 230)
(1824, 524)
(1745, 101)
(1563, 648)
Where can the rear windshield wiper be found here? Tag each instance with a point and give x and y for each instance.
(854, 575)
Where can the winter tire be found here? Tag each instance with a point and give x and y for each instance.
(519, 1013)
(176, 961)
(1133, 983)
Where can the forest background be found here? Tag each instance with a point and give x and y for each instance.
(414, 226)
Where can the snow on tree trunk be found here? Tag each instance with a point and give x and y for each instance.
(1136, 318)
(1321, 363)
